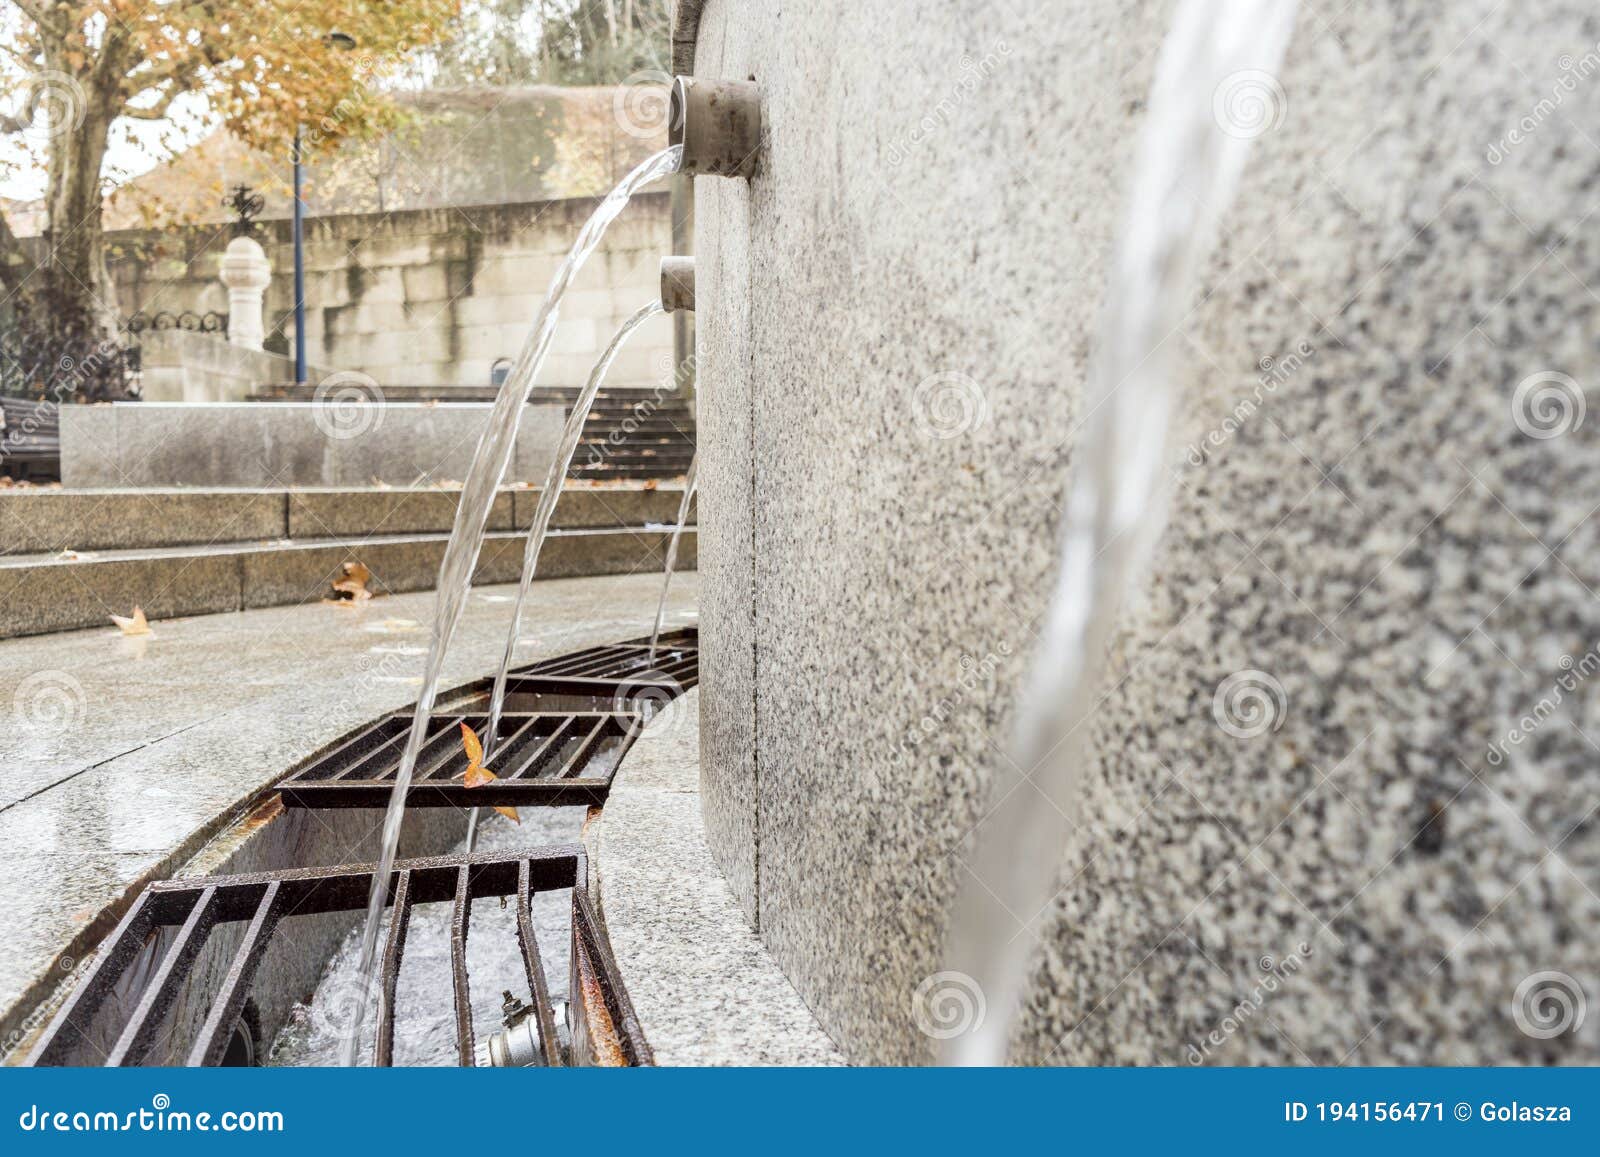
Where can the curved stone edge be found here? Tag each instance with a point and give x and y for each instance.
(704, 986)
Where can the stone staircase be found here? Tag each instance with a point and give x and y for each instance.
(630, 433)
(71, 558)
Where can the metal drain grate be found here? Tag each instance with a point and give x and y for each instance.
(618, 672)
(605, 1029)
(547, 759)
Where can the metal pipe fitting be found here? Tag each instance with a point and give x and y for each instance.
(718, 123)
(677, 284)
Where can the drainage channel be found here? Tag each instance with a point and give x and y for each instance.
(173, 983)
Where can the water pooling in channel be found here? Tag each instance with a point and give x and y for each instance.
(466, 540)
(548, 497)
(672, 550)
(1191, 151)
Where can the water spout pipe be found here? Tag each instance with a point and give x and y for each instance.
(718, 123)
(677, 284)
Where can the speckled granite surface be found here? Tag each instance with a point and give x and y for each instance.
(1370, 527)
(705, 989)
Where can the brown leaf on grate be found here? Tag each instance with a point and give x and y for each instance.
(134, 625)
(476, 774)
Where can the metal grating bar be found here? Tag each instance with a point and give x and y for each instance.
(394, 950)
(150, 1014)
(542, 752)
(264, 899)
(583, 751)
(538, 983)
(460, 919)
(212, 1042)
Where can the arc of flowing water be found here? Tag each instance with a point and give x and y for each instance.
(548, 497)
(672, 551)
(466, 541)
(1185, 175)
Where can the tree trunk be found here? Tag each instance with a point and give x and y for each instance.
(81, 294)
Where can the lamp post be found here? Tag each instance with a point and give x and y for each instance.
(299, 271)
(344, 42)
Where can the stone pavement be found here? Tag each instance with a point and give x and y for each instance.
(123, 755)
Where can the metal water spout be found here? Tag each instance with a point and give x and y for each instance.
(718, 124)
(677, 284)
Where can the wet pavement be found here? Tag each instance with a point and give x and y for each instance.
(123, 755)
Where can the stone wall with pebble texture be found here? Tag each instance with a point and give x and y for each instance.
(1342, 799)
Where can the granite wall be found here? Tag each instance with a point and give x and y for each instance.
(1342, 794)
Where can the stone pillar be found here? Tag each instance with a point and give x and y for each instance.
(246, 272)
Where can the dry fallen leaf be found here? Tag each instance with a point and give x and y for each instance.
(476, 774)
(137, 625)
(352, 588)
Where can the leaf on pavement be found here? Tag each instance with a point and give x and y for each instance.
(134, 625)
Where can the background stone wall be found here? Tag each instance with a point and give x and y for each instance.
(1383, 531)
(429, 296)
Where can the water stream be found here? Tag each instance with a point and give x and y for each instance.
(554, 481)
(466, 540)
(672, 550)
(1190, 153)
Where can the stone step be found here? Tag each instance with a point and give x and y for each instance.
(48, 521)
(40, 593)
